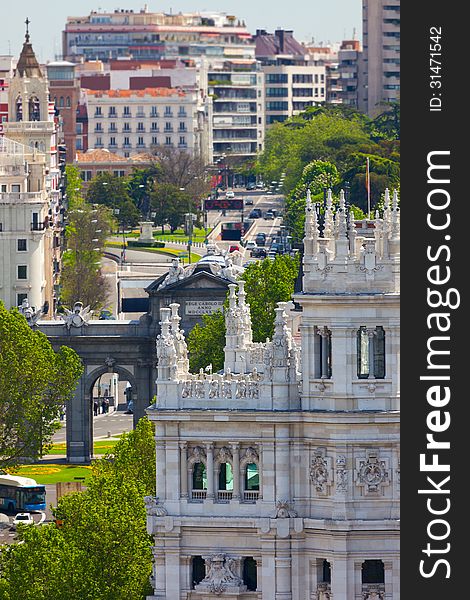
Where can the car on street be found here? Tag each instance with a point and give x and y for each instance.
(260, 240)
(250, 245)
(251, 186)
(255, 214)
(271, 255)
(230, 194)
(233, 248)
(260, 185)
(258, 252)
(249, 201)
(23, 517)
(269, 215)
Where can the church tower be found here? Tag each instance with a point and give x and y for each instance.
(30, 215)
(279, 479)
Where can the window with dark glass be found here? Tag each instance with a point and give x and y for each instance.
(22, 245)
(199, 476)
(371, 353)
(198, 570)
(250, 573)
(22, 272)
(225, 477)
(252, 478)
(373, 571)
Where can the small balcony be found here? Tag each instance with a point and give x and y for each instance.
(140, 130)
(185, 145)
(112, 116)
(224, 495)
(140, 115)
(198, 495)
(36, 226)
(112, 130)
(99, 130)
(126, 115)
(182, 114)
(168, 115)
(251, 496)
(168, 130)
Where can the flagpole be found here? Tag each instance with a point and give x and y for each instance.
(368, 188)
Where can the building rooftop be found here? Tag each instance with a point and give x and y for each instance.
(157, 92)
(105, 156)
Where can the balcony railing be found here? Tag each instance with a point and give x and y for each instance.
(198, 495)
(168, 130)
(140, 130)
(182, 115)
(373, 591)
(127, 115)
(224, 496)
(99, 130)
(112, 130)
(39, 226)
(250, 496)
(168, 114)
(112, 116)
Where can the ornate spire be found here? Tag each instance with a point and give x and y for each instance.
(329, 223)
(311, 222)
(28, 65)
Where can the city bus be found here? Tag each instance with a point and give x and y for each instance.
(21, 494)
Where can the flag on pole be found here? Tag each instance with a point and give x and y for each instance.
(368, 187)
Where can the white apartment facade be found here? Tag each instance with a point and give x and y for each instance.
(131, 121)
(279, 478)
(290, 89)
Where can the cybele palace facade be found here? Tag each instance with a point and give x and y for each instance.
(279, 478)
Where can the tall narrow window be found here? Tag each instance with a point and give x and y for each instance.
(226, 477)
(371, 353)
(322, 353)
(34, 110)
(326, 572)
(19, 109)
(198, 570)
(252, 477)
(199, 476)
(250, 574)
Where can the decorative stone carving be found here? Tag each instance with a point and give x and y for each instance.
(240, 390)
(253, 390)
(153, 507)
(32, 316)
(372, 473)
(175, 273)
(226, 388)
(284, 510)
(196, 455)
(250, 456)
(78, 316)
(323, 591)
(224, 455)
(373, 591)
(214, 389)
(109, 361)
(341, 474)
(320, 472)
(220, 576)
(186, 390)
(199, 391)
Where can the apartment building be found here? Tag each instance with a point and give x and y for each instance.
(127, 121)
(152, 35)
(237, 92)
(379, 73)
(290, 89)
(348, 57)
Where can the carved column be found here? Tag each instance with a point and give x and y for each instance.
(160, 477)
(184, 469)
(210, 470)
(236, 470)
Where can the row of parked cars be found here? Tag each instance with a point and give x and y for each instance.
(257, 213)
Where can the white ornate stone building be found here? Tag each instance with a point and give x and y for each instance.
(30, 196)
(279, 479)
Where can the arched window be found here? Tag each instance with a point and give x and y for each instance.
(34, 109)
(373, 571)
(68, 103)
(225, 477)
(198, 570)
(61, 102)
(199, 476)
(250, 574)
(252, 478)
(371, 353)
(19, 108)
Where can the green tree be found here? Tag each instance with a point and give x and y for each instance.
(35, 383)
(170, 205)
(73, 186)
(112, 191)
(267, 283)
(82, 279)
(206, 343)
(102, 550)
